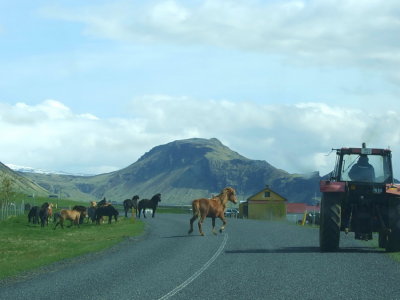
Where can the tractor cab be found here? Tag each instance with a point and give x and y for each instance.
(363, 165)
(360, 197)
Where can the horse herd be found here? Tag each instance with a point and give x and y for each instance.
(213, 208)
(41, 214)
(95, 212)
(142, 205)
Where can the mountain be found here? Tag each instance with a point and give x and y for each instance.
(21, 184)
(181, 171)
(40, 171)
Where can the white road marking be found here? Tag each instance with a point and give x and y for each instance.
(197, 274)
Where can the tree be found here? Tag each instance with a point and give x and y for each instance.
(6, 189)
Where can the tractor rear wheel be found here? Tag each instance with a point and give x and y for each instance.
(382, 240)
(329, 229)
(393, 238)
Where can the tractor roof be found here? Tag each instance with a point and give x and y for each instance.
(368, 151)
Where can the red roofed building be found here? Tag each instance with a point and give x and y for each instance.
(295, 211)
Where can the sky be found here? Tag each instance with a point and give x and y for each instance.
(90, 86)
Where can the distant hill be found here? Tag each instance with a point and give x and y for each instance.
(181, 171)
(22, 184)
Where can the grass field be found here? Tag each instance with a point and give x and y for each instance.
(26, 246)
(173, 210)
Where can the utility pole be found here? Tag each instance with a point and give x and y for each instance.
(59, 196)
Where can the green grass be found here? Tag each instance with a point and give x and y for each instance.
(39, 200)
(374, 243)
(395, 256)
(26, 246)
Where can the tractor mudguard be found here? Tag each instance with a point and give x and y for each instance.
(332, 186)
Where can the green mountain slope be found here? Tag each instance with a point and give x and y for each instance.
(181, 171)
(22, 184)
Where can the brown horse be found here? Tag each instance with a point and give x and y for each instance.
(50, 212)
(213, 208)
(67, 214)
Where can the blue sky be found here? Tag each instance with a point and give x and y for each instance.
(90, 86)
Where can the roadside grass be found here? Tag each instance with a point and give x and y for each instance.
(395, 256)
(26, 246)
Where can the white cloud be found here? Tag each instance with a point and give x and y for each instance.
(291, 137)
(340, 38)
(341, 32)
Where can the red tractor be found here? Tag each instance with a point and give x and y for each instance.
(361, 197)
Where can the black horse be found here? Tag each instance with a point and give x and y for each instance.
(108, 211)
(146, 203)
(33, 215)
(44, 214)
(83, 210)
(91, 212)
(102, 202)
(131, 203)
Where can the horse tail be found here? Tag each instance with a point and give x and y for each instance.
(56, 216)
(196, 208)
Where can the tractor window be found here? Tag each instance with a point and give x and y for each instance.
(365, 168)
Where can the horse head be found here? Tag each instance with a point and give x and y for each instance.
(156, 198)
(231, 194)
(45, 205)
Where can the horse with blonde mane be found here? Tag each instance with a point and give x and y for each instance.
(67, 214)
(212, 208)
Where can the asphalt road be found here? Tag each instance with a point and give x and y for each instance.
(250, 260)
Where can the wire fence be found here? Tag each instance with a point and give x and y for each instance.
(11, 209)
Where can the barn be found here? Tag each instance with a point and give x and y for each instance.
(295, 212)
(264, 205)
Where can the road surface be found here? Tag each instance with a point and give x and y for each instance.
(250, 260)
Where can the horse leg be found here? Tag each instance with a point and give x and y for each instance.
(144, 212)
(201, 220)
(126, 212)
(223, 223)
(213, 226)
(154, 211)
(191, 223)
